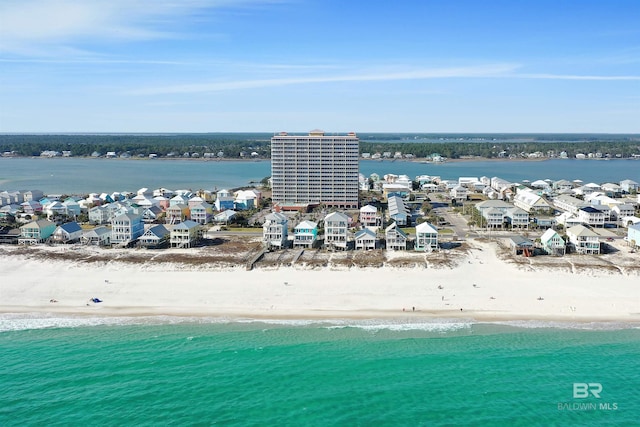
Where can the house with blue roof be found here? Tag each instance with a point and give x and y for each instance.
(69, 232)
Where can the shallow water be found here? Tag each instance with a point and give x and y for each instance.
(185, 371)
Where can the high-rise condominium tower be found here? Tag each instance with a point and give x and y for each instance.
(314, 169)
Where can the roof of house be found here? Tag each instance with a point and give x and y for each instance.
(41, 223)
(396, 205)
(549, 234)
(307, 225)
(158, 230)
(425, 227)
(225, 215)
(590, 209)
(98, 231)
(394, 227)
(520, 241)
(186, 225)
(581, 231)
(368, 208)
(276, 217)
(493, 204)
(336, 216)
(71, 227)
(365, 232)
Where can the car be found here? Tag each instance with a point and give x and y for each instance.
(609, 239)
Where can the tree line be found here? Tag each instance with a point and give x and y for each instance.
(237, 145)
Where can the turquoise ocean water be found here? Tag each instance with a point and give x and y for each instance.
(162, 371)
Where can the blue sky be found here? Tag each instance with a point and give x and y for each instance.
(338, 65)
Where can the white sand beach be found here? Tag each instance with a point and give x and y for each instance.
(481, 287)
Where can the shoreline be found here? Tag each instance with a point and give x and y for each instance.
(389, 160)
(480, 287)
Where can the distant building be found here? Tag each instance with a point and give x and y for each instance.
(314, 169)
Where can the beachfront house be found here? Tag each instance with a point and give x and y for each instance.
(156, 236)
(365, 239)
(396, 239)
(36, 232)
(336, 228)
(552, 243)
(305, 234)
(275, 230)
(584, 240)
(126, 228)
(521, 245)
(99, 236)
(69, 232)
(633, 236)
(185, 234)
(369, 216)
(426, 237)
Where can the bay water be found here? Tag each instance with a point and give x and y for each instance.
(181, 371)
(83, 175)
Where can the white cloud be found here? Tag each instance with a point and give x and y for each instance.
(419, 74)
(36, 27)
(574, 77)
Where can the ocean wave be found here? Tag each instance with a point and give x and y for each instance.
(436, 325)
(550, 324)
(22, 322)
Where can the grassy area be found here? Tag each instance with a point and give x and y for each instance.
(445, 231)
(242, 229)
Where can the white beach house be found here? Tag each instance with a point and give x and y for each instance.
(584, 240)
(426, 237)
(275, 230)
(336, 229)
